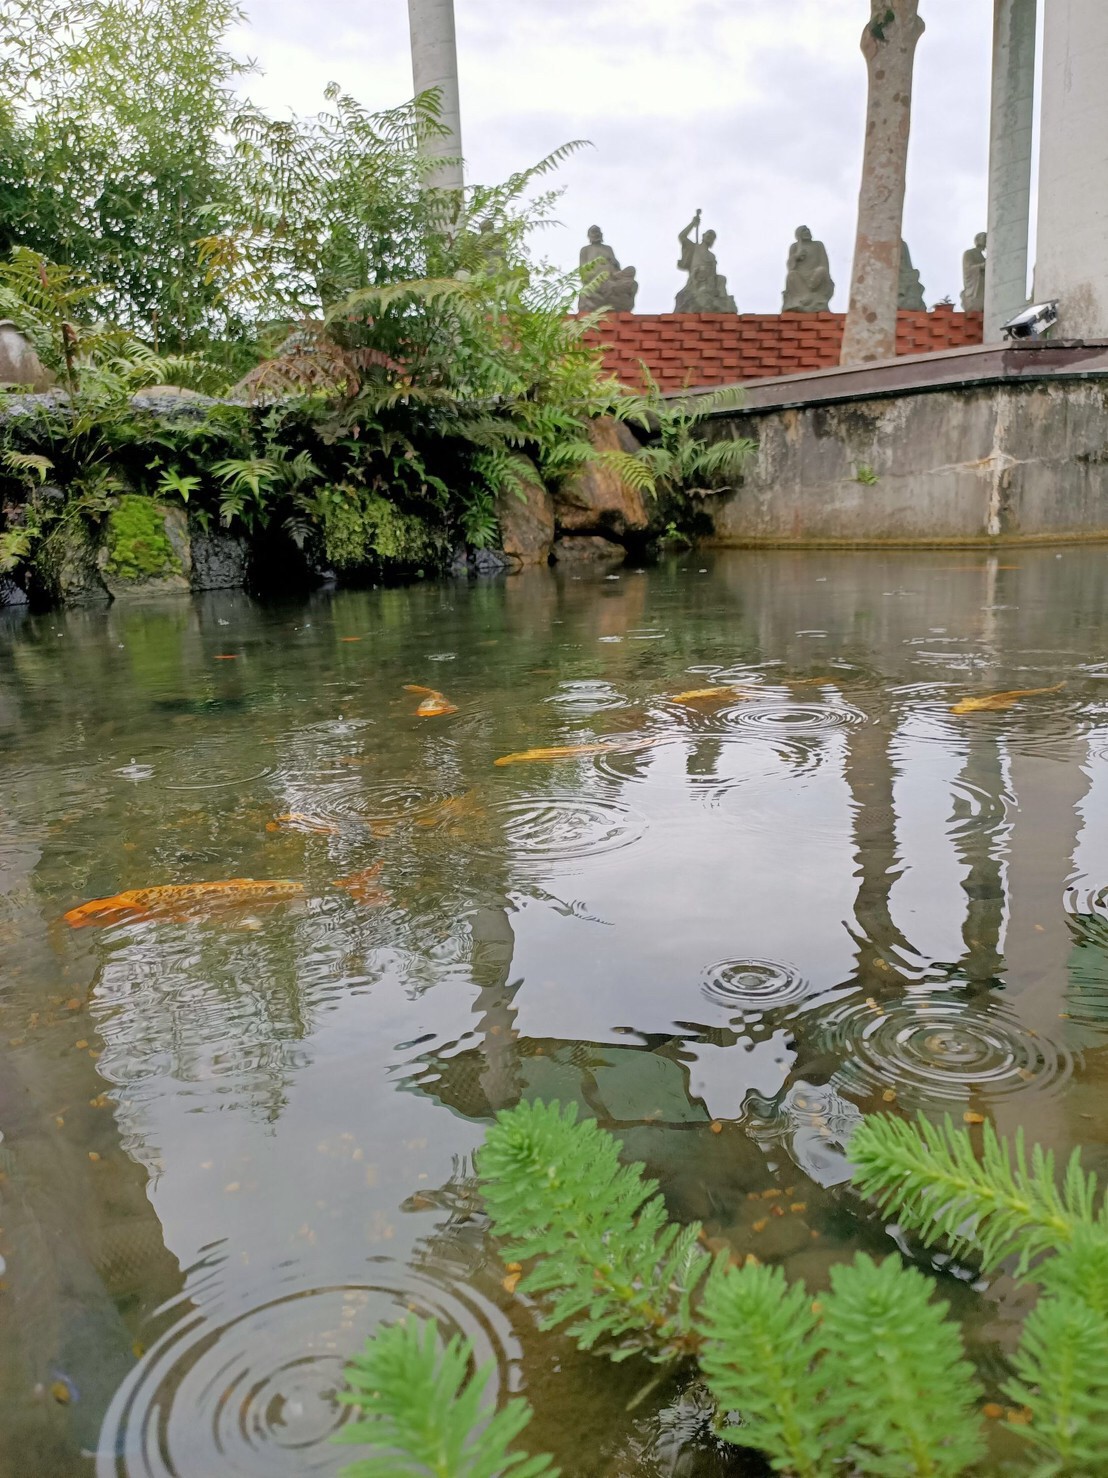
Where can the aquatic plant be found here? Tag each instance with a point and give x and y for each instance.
(423, 1411)
(872, 1374)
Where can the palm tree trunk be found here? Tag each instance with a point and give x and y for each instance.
(889, 47)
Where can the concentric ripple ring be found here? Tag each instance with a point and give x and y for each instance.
(940, 1047)
(254, 1394)
(543, 829)
(754, 985)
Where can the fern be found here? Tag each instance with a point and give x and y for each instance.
(1062, 1380)
(930, 1178)
(758, 1360)
(425, 1414)
(610, 1263)
(898, 1385)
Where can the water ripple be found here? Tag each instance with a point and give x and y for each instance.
(252, 1392)
(941, 1046)
(754, 985)
(544, 829)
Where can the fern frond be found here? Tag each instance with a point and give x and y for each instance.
(1062, 1379)
(930, 1178)
(759, 1359)
(611, 1264)
(898, 1380)
(1080, 1270)
(424, 1413)
(634, 470)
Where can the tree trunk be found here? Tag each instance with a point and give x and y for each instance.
(889, 47)
(435, 69)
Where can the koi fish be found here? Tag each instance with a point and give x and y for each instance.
(362, 886)
(298, 821)
(568, 751)
(183, 900)
(694, 695)
(434, 704)
(997, 702)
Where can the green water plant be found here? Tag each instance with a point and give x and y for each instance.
(422, 1408)
(871, 1376)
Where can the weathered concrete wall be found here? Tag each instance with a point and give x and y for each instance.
(965, 463)
(1072, 253)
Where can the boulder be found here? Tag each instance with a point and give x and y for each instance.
(596, 499)
(11, 594)
(527, 524)
(64, 569)
(19, 364)
(588, 550)
(145, 550)
(218, 559)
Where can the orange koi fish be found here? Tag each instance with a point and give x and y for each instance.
(298, 821)
(569, 751)
(997, 702)
(434, 704)
(183, 900)
(362, 887)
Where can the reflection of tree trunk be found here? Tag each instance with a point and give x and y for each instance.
(869, 774)
(889, 46)
(978, 850)
(493, 948)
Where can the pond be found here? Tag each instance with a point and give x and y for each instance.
(238, 1132)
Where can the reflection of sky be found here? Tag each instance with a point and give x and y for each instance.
(701, 887)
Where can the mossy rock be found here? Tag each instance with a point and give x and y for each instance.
(64, 569)
(365, 535)
(145, 548)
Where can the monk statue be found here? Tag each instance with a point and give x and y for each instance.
(808, 285)
(706, 289)
(973, 275)
(910, 288)
(604, 283)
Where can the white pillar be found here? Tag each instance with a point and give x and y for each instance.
(1013, 117)
(435, 65)
(1072, 261)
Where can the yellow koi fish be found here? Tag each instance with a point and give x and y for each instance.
(434, 704)
(997, 702)
(183, 900)
(694, 695)
(570, 751)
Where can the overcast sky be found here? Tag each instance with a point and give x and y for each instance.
(751, 109)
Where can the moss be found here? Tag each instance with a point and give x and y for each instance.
(138, 547)
(360, 532)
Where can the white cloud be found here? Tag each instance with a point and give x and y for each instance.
(752, 109)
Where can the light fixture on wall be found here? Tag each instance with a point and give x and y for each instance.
(1033, 322)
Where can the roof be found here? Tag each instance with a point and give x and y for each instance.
(698, 349)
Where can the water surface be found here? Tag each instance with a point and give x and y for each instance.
(233, 1144)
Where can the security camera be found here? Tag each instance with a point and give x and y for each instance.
(1033, 322)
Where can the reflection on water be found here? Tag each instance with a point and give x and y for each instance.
(234, 1142)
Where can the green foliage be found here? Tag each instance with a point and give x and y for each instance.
(872, 1374)
(118, 118)
(610, 1264)
(759, 1359)
(678, 460)
(137, 545)
(423, 1412)
(897, 1378)
(866, 476)
(1062, 1380)
(1005, 1203)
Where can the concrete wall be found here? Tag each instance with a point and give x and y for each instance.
(1072, 262)
(964, 464)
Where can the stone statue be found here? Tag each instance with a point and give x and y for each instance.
(604, 283)
(490, 246)
(973, 275)
(808, 285)
(706, 289)
(910, 289)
